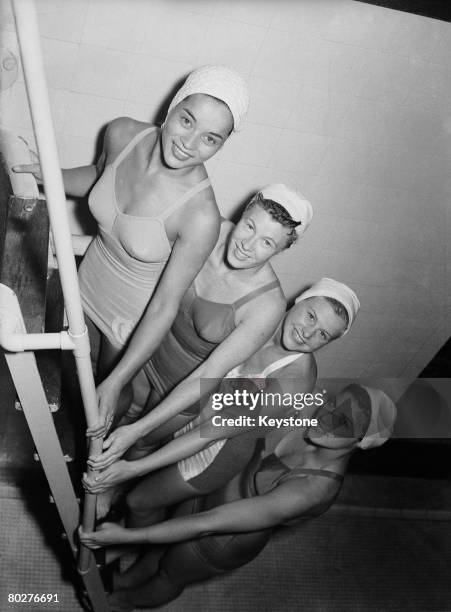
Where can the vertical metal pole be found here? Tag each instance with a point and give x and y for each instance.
(28, 34)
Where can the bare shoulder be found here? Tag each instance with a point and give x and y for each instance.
(120, 131)
(226, 226)
(272, 303)
(201, 214)
(318, 490)
(300, 372)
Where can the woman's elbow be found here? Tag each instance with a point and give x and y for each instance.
(164, 310)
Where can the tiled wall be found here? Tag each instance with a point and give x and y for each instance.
(350, 103)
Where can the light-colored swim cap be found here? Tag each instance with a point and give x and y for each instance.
(298, 207)
(328, 287)
(383, 416)
(220, 82)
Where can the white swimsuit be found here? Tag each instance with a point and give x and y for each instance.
(195, 464)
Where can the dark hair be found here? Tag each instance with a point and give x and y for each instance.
(279, 214)
(339, 309)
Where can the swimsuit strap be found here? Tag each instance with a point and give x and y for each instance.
(280, 363)
(128, 147)
(256, 293)
(318, 472)
(185, 197)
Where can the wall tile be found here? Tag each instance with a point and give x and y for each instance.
(120, 25)
(308, 17)
(299, 152)
(431, 88)
(335, 67)
(103, 72)
(278, 59)
(389, 78)
(59, 103)
(247, 12)
(318, 111)
(226, 207)
(62, 19)
(365, 121)
(141, 112)
(356, 161)
(202, 7)
(412, 37)
(75, 151)
(253, 145)
(441, 49)
(153, 80)
(371, 27)
(340, 195)
(87, 114)
(272, 102)
(178, 37)
(416, 172)
(60, 60)
(242, 54)
(236, 181)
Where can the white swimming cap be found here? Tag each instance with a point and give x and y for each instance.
(383, 416)
(327, 287)
(220, 82)
(298, 207)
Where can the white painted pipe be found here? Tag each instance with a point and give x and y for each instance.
(28, 35)
(17, 343)
(13, 339)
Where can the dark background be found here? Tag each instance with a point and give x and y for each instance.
(438, 9)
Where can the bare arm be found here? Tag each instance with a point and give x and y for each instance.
(78, 181)
(294, 498)
(121, 471)
(191, 249)
(250, 335)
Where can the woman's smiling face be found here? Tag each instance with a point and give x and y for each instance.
(255, 239)
(195, 130)
(310, 324)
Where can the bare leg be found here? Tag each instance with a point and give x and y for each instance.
(95, 341)
(140, 392)
(154, 492)
(144, 568)
(109, 356)
(148, 443)
(188, 562)
(146, 587)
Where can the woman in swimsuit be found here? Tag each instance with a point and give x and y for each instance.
(156, 210)
(232, 307)
(196, 464)
(294, 475)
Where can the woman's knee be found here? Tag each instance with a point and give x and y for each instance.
(137, 502)
(142, 503)
(157, 592)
